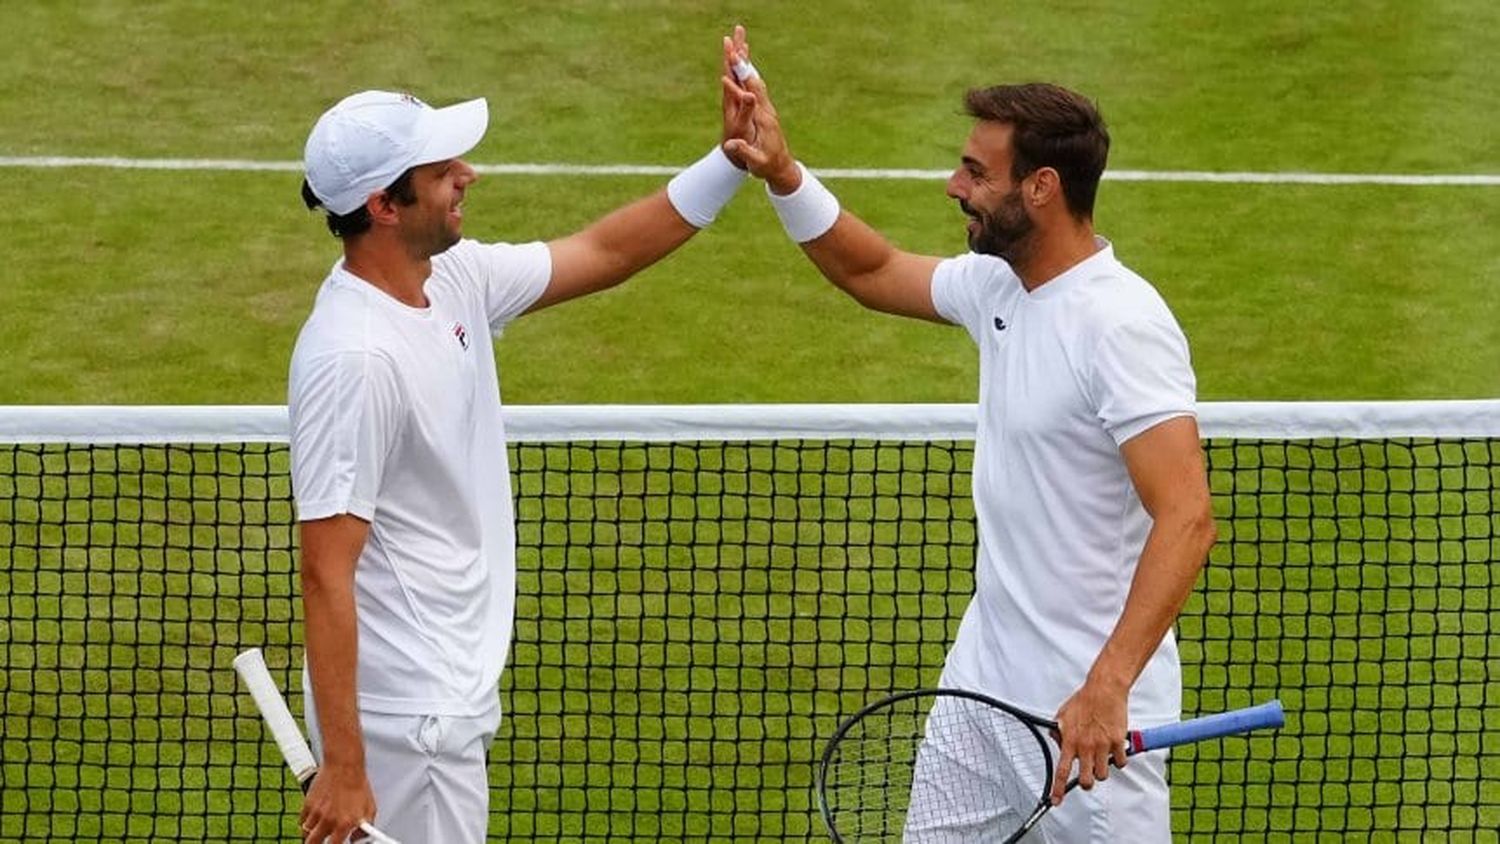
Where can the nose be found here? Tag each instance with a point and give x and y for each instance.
(466, 175)
(955, 187)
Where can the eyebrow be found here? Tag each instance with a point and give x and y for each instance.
(972, 163)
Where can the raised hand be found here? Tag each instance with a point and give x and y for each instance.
(738, 103)
(758, 143)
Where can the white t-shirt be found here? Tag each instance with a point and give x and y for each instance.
(1068, 372)
(395, 415)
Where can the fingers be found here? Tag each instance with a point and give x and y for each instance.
(1065, 758)
(737, 58)
(742, 100)
(739, 149)
(741, 45)
(1093, 756)
(329, 830)
(729, 57)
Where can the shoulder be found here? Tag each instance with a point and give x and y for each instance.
(974, 269)
(965, 286)
(471, 259)
(1116, 296)
(345, 321)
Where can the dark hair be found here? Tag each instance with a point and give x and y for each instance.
(357, 222)
(1053, 127)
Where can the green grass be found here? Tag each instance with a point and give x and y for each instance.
(188, 287)
(1306, 292)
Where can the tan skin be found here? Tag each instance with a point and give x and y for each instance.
(395, 255)
(1165, 463)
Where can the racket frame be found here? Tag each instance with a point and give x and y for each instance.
(1218, 725)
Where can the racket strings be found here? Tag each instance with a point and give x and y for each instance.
(902, 773)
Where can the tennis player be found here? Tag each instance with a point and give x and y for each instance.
(398, 453)
(1089, 487)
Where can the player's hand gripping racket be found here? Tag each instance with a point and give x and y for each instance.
(988, 759)
(251, 667)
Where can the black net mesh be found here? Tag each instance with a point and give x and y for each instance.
(695, 619)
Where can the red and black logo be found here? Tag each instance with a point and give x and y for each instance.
(461, 335)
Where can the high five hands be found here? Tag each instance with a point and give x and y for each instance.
(752, 129)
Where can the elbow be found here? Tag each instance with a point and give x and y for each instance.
(1204, 532)
(320, 583)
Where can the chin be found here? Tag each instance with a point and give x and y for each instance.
(449, 240)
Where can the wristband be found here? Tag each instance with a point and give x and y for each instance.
(704, 188)
(808, 212)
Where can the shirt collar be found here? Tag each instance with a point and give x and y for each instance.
(1105, 256)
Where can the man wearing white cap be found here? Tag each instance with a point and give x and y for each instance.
(398, 452)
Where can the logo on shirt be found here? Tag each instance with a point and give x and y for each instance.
(461, 335)
(999, 324)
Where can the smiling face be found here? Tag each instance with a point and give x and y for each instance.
(434, 223)
(991, 197)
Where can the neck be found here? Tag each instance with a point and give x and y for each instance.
(386, 264)
(1054, 251)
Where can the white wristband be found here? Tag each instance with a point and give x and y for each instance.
(808, 212)
(704, 188)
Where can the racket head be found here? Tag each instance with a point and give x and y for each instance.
(868, 783)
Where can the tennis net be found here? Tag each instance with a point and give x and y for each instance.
(704, 592)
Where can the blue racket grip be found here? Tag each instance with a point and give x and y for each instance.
(1207, 727)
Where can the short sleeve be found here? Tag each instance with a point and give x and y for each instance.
(959, 288)
(510, 276)
(346, 413)
(1142, 376)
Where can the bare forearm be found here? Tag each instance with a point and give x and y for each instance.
(614, 248)
(631, 238)
(850, 253)
(332, 654)
(1174, 553)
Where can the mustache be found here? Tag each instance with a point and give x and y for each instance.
(967, 208)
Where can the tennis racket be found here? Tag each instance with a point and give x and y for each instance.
(251, 667)
(870, 787)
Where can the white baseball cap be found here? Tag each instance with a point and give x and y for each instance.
(364, 143)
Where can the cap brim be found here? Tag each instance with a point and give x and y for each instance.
(454, 130)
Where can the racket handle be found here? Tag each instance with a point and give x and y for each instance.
(373, 834)
(1208, 727)
(251, 667)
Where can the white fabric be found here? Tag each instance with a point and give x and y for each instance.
(955, 801)
(427, 772)
(1068, 372)
(808, 212)
(395, 418)
(702, 190)
(362, 144)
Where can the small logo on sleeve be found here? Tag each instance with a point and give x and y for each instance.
(999, 324)
(461, 335)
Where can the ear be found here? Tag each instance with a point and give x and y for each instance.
(1045, 187)
(382, 209)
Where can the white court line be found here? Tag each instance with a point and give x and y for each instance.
(1293, 178)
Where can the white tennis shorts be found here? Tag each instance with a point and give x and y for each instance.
(952, 804)
(428, 773)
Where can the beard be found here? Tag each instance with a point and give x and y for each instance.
(1001, 231)
(433, 237)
